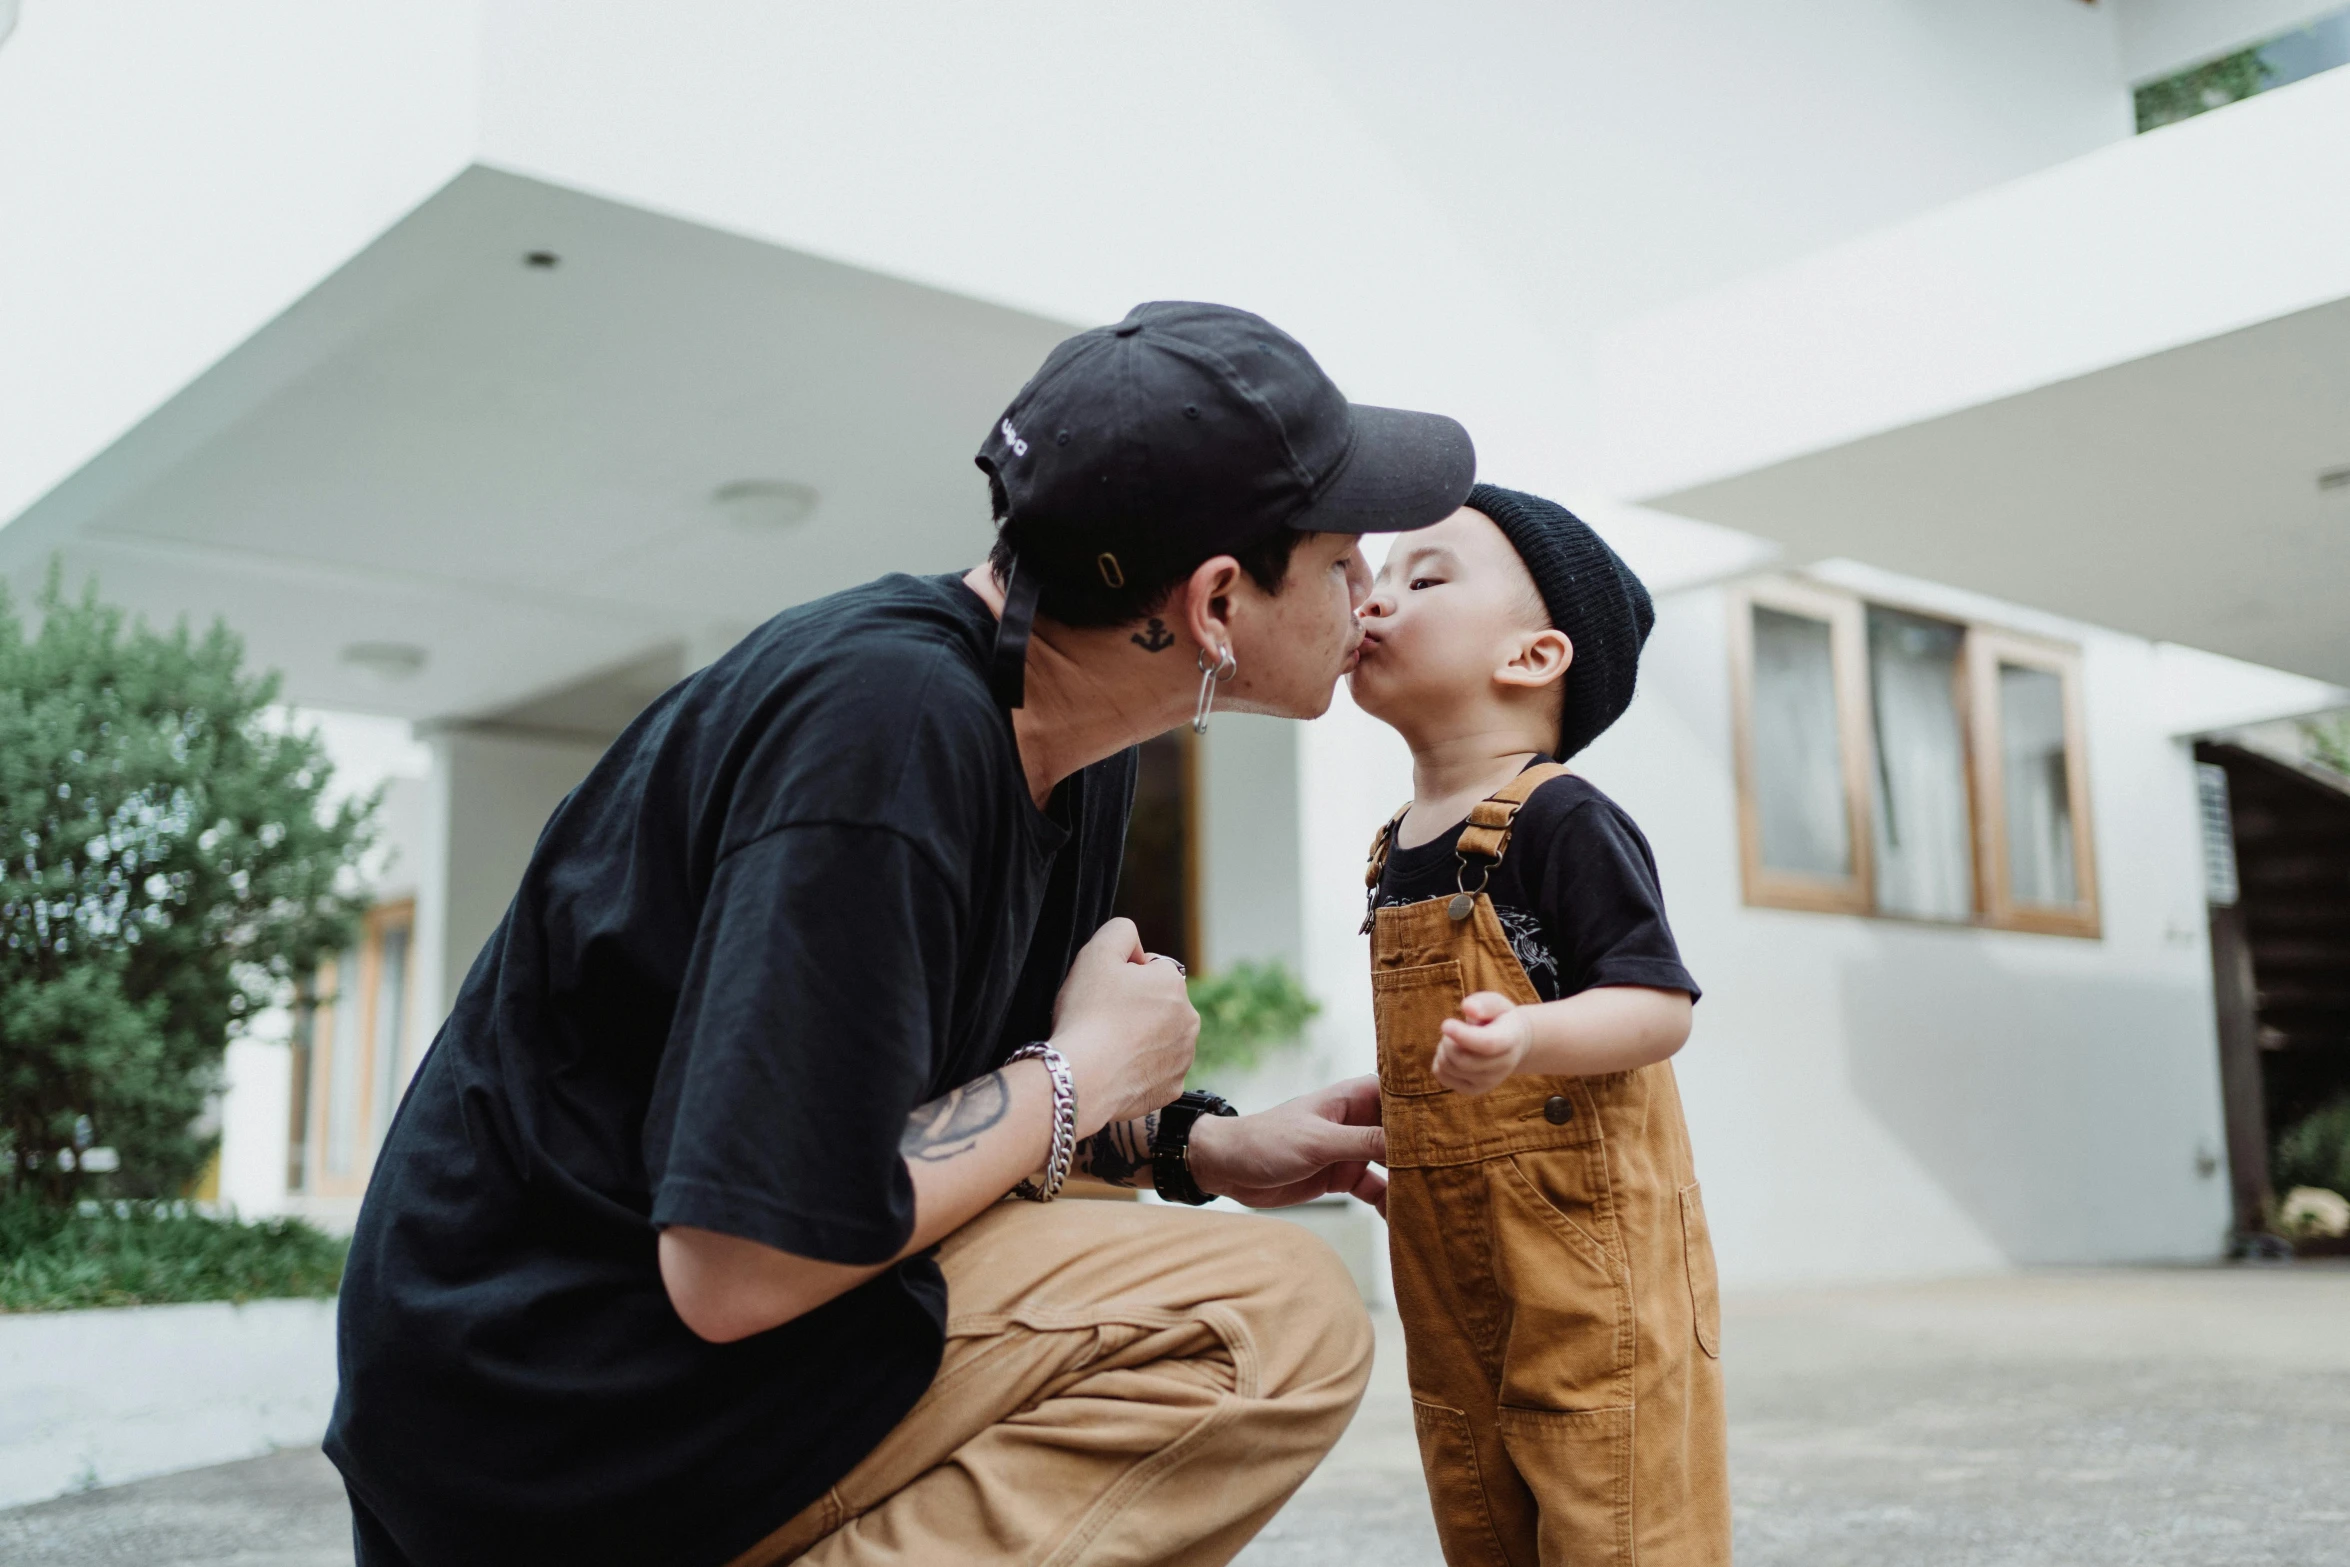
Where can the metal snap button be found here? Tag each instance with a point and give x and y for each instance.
(1558, 1109)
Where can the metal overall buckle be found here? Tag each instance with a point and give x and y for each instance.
(1464, 902)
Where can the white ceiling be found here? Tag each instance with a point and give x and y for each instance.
(511, 466)
(2175, 496)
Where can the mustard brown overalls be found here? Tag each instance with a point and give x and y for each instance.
(1552, 1268)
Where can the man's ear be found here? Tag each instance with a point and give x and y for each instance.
(1542, 659)
(1203, 609)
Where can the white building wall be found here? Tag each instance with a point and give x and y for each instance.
(1872, 1097)
(489, 795)
(2111, 257)
(1446, 205)
(256, 1118)
(1246, 817)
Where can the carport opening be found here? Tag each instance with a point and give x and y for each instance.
(2280, 951)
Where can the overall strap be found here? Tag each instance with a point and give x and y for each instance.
(1487, 835)
(1381, 842)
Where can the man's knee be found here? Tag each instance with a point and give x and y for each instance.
(1304, 1313)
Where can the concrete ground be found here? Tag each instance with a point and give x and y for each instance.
(2154, 1418)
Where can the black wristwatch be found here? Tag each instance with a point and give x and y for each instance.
(1171, 1146)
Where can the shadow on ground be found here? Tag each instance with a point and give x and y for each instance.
(2109, 1418)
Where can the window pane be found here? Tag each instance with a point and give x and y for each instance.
(342, 1072)
(1798, 760)
(1921, 826)
(391, 1006)
(2039, 796)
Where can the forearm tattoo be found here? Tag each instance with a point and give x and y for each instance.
(953, 1123)
(1120, 1153)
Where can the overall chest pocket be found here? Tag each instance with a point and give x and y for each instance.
(1427, 1123)
(1409, 1006)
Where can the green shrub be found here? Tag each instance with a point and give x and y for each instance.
(167, 867)
(1244, 1011)
(2315, 1151)
(2329, 743)
(150, 1254)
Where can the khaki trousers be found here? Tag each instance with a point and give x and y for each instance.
(1123, 1383)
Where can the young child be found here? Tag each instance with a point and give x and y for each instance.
(1551, 1260)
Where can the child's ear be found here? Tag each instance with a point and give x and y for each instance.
(1541, 659)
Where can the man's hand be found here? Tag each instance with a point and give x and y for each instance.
(1124, 1022)
(1316, 1143)
(1483, 1046)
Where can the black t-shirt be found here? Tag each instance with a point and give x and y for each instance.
(1576, 892)
(806, 891)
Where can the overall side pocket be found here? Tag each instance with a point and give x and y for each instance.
(1456, 1487)
(1705, 1288)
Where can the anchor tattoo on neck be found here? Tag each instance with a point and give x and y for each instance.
(1154, 638)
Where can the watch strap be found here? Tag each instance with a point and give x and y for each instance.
(1171, 1146)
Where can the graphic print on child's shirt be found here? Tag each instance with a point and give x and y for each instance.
(1576, 893)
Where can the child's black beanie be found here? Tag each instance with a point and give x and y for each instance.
(1591, 596)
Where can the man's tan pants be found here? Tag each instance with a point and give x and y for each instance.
(1122, 1384)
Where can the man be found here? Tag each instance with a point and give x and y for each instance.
(688, 1243)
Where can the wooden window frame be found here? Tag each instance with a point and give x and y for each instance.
(1986, 651)
(1983, 649)
(1765, 886)
(324, 1043)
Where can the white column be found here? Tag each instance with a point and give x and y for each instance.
(491, 792)
(256, 1109)
(1247, 822)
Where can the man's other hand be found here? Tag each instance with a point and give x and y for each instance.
(1125, 1025)
(1315, 1144)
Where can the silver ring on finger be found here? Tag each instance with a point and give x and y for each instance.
(1161, 957)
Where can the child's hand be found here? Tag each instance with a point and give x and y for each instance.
(1483, 1045)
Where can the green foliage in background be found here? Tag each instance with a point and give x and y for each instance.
(1244, 1011)
(2315, 1151)
(2329, 744)
(152, 1254)
(2213, 85)
(167, 866)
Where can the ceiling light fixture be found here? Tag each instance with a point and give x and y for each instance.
(2334, 479)
(542, 259)
(765, 503)
(386, 660)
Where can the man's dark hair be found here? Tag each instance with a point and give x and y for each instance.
(1081, 592)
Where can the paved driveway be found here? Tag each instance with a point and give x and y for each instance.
(2132, 1417)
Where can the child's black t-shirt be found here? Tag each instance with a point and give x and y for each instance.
(1576, 893)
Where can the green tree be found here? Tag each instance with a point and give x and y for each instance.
(170, 867)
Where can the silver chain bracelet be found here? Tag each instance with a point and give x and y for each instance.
(1056, 1170)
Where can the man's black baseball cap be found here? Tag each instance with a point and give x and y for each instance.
(1187, 430)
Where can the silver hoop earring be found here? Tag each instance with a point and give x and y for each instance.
(1210, 677)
